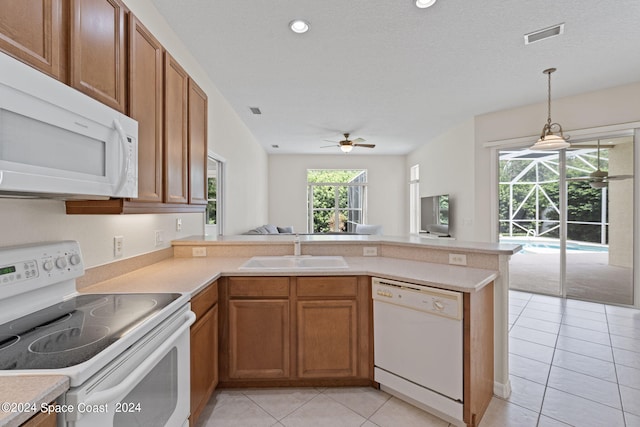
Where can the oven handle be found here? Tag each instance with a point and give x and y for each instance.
(107, 396)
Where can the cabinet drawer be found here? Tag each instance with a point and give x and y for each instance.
(259, 287)
(327, 286)
(204, 300)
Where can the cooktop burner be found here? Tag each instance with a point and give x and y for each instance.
(74, 331)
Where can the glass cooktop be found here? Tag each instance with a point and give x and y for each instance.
(75, 330)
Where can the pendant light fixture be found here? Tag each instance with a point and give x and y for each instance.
(549, 140)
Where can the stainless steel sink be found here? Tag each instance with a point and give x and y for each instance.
(294, 263)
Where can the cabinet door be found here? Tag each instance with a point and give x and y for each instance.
(204, 361)
(197, 145)
(97, 52)
(175, 132)
(145, 105)
(327, 338)
(259, 339)
(31, 30)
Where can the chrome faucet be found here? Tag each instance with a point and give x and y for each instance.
(296, 246)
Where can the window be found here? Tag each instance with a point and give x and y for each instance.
(213, 215)
(337, 200)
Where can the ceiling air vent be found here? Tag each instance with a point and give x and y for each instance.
(255, 110)
(545, 33)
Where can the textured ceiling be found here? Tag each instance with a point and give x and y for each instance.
(394, 74)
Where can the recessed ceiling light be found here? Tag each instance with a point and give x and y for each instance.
(299, 26)
(423, 4)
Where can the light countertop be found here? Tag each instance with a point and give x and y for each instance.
(190, 275)
(19, 393)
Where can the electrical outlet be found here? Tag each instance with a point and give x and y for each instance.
(457, 259)
(118, 246)
(159, 237)
(178, 224)
(199, 251)
(369, 251)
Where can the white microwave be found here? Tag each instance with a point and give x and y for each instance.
(57, 142)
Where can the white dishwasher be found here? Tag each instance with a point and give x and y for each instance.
(418, 345)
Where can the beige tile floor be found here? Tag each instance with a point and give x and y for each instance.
(572, 363)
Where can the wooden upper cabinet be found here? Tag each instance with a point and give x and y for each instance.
(176, 90)
(145, 105)
(197, 144)
(98, 50)
(32, 31)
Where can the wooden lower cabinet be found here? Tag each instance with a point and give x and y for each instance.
(259, 338)
(204, 350)
(327, 338)
(43, 419)
(295, 331)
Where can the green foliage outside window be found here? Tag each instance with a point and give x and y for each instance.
(534, 198)
(211, 200)
(328, 216)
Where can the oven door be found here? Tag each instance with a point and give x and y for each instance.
(148, 385)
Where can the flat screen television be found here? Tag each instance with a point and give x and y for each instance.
(434, 215)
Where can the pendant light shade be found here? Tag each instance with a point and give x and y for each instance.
(548, 139)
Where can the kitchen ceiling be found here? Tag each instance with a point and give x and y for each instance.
(394, 74)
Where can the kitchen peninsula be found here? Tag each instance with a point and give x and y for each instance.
(413, 259)
(197, 262)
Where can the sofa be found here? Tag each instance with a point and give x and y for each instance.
(271, 229)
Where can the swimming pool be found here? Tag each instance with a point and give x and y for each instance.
(550, 246)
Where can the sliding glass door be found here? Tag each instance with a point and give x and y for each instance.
(575, 222)
(599, 251)
(529, 208)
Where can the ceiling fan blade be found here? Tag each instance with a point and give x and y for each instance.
(581, 178)
(618, 177)
(328, 140)
(357, 140)
(327, 146)
(365, 145)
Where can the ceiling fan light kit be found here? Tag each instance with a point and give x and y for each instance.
(347, 145)
(548, 139)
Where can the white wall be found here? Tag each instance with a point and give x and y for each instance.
(446, 167)
(23, 221)
(601, 108)
(26, 221)
(386, 194)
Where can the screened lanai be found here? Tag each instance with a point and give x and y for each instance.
(577, 234)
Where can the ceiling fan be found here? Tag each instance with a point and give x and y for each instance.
(346, 145)
(599, 178)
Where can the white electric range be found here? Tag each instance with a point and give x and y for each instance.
(126, 355)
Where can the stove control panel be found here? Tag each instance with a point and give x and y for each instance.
(50, 262)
